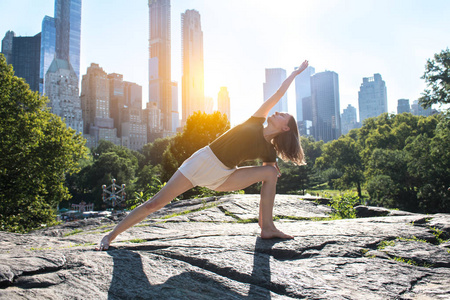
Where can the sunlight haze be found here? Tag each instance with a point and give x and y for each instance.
(243, 37)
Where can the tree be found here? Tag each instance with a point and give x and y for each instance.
(38, 150)
(200, 130)
(437, 78)
(109, 161)
(343, 154)
(153, 152)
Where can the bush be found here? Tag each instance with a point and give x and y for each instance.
(344, 205)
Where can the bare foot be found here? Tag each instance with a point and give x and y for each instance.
(274, 234)
(104, 243)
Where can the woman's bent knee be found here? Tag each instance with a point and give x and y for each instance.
(270, 173)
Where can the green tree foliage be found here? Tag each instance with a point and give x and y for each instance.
(109, 161)
(344, 205)
(200, 130)
(153, 152)
(37, 152)
(406, 161)
(343, 155)
(437, 78)
(296, 179)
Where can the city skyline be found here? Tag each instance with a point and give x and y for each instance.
(355, 40)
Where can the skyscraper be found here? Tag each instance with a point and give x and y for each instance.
(7, 44)
(403, 106)
(160, 84)
(325, 106)
(274, 78)
(175, 111)
(68, 32)
(348, 119)
(61, 85)
(193, 91)
(48, 49)
(303, 90)
(418, 110)
(23, 53)
(223, 102)
(372, 97)
(96, 106)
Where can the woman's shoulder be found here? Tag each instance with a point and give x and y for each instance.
(255, 120)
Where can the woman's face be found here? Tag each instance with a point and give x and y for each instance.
(280, 121)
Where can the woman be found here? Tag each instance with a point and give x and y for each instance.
(214, 166)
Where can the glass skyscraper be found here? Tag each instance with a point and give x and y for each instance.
(48, 38)
(403, 106)
(372, 97)
(160, 82)
(193, 90)
(60, 37)
(274, 78)
(325, 106)
(303, 90)
(68, 32)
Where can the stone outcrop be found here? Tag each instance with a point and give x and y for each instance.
(210, 249)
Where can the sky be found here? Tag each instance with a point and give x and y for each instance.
(241, 38)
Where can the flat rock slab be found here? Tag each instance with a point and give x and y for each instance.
(210, 249)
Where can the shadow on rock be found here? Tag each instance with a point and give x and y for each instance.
(130, 281)
(129, 278)
(261, 284)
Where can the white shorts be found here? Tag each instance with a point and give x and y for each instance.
(203, 168)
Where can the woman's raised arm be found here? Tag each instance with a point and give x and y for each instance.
(265, 108)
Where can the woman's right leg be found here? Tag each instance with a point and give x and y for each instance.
(177, 185)
(268, 175)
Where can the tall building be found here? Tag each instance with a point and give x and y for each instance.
(372, 97)
(61, 84)
(133, 128)
(152, 119)
(132, 93)
(307, 110)
(223, 102)
(193, 90)
(348, 119)
(175, 111)
(160, 83)
(116, 98)
(96, 106)
(403, 106)
(303, 90)
(23, 53)
(325, 106)
(126, 110)
(274, 78)
(68, 32)
(7, 46)
(48, 49)
(418, 110)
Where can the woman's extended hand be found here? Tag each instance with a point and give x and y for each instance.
(302, 67)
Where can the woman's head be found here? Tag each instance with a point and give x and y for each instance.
(287, 142)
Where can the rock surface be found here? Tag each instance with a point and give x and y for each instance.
(209, 249)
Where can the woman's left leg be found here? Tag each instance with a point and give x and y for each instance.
(244, 177)
(177, 185)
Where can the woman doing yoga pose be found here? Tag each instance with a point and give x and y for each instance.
(215, 166)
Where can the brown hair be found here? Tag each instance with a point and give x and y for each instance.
(288, 145)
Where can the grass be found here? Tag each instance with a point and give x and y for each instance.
(413, 239)
(76, 231)
(137, 241)
(384, 244)
(190, 211)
